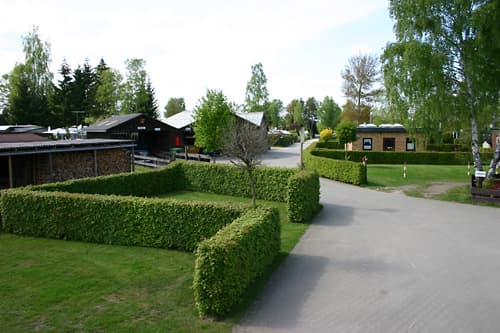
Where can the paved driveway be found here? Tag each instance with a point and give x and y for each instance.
(384, 262)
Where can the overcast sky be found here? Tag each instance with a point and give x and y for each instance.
(192, 45)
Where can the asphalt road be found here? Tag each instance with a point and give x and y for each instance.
(384, 262)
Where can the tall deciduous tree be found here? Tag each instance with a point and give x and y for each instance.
(256, 94)
(244, 144)
(134, 94)
(174, 106)
(211, 120)
(361, 75)
(273, 110)
(30, 83)
(108, 93)
(310, 114)
(328, 114)
(445, 52)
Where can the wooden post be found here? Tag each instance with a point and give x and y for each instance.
(95, 163)
(51, 169)
(132, 160)
(11, 177)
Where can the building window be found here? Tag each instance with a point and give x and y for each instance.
(410, 145)
(367, 144)
(389, 144)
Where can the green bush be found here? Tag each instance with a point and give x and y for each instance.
(336, 169)
(151, 183)
(448, 147)
(378, 157)
(228, 263)
(329, 145)
(303, 196)
(281, 140)
(115, 220)
(271, 183)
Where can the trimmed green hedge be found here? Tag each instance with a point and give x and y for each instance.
(228, 263)
(226, 179)
(378, 157)
(142, 184)
(330, 145)
(115, 220)
(303, 196)
(448, 147)
(340, 170)
(280, 140)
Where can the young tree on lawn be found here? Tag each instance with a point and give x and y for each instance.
(256, 94)
(346, 132)
(244, 145)
(360, 77)
(446, 52)
(174, 106)
(211, 120)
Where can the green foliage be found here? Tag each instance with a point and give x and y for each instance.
(228, 263)
(136, 96)
(329, 145)
(212, 119)
(281, 140)
(272, 112)
(328, 114)
(115, 220)
(151, 183)
(379, 157)
(271, 183)
(346, 132)
(336, 169)
(174, 106)
(256, 95)
(448, 147)
(302, 196)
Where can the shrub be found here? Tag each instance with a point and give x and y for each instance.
(271, 183)
(341, 170)
(281, 140)
(448, 147)
(115, 220)
(326, 134)
(151, 183)
(377, 157)
(302, 196)
(329, 145)
(228, 263)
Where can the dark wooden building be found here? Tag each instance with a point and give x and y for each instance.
(39, 162)
(149, 134)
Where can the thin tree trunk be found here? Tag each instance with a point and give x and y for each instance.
(478, 166)
(494, 162)
(252, 186)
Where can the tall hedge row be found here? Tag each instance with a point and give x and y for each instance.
(228, 263)
(271, 183)
(385, 157)
(302, 196)
(151, 183)
(115, 220)
(336, 169)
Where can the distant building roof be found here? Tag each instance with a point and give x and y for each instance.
(383, 128)
(21, 129)
(53, 146)
(21, 137)
(181, 119)
(255, 118)
(113, 121)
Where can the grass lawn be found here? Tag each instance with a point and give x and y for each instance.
(385, 175)
(63, 286)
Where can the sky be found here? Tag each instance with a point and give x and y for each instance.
(192, 45)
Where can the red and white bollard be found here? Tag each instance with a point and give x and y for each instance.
(404, 169)
(468, 168)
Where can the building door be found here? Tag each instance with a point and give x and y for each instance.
(389, 144)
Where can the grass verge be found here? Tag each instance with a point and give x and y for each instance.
(54, 285)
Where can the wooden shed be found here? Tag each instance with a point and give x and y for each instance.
(149, 134)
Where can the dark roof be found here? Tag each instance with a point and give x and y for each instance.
(21, 137)
(53, 146)
(21, 129)
(113, 121)
(381, 129)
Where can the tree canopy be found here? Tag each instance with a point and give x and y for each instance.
(256, 93)
(444, 64)
(174, 106)
(212, 118)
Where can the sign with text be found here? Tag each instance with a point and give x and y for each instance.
(480, 174)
